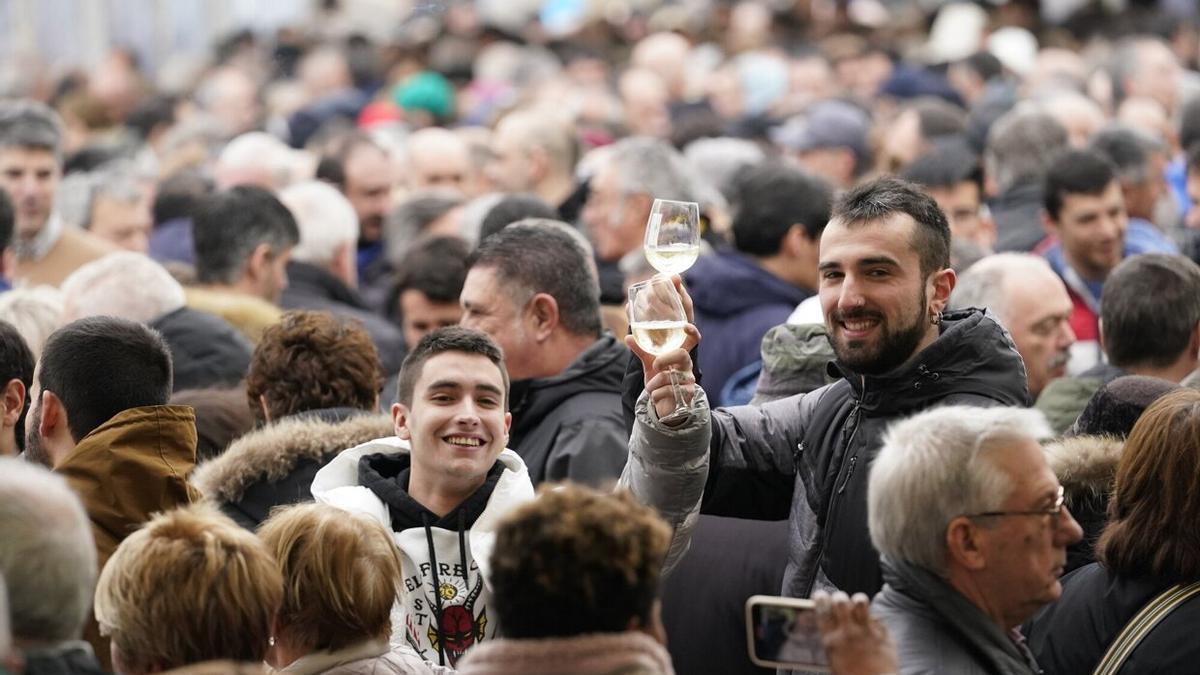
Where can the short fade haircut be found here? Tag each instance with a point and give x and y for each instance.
(440, 341)
(47, 554)
(936, 464)
(513, 208)
(1075, 172)
(100, 366)
(313, 360)
(1150, 310)
(228, 227)
(31, 125)
(772, 197)
(16, 363)
(883, 197)
(1129, 151)
(543, 256)
(340, 572)
(576, 561)
(437, 267)
(190, 586)
(946, 166)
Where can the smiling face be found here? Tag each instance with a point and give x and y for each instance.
(456, 422)
(1092, 230)
(877, 303)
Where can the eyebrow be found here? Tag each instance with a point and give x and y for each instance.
(863, 262)
(453, 384)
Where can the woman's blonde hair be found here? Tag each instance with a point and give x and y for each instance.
(341, 574)
(189, 586)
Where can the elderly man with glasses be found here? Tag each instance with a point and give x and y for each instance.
(971, 525)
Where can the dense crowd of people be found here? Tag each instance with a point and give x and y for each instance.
(319, 360)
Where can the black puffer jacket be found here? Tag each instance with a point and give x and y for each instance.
(822, 444)
(570, 426)
(206, 350)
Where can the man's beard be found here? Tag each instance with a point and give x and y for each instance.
(34, 452)
(894, 346)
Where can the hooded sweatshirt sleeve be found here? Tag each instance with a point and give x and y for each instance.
(667, 469)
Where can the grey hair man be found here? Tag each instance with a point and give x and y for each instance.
(48, 560)
(31, 137)
(1020, 148)
(323, 272)
(990, 544)
(1031, 301)
(535, 151)
(533, 289)
(112, 203)
(244, 237)
(1140, 160)
(206, 351)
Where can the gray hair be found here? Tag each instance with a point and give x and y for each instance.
(325, 217)
(407, 222)
(983, 284)
(720, 159)
(5, 624)
(1129, 150)
(30, 124)
(35, 312)
(77, 194)
(1021, 145)
(124, 284)
(933, 468)
(651, 166)
(47, 554)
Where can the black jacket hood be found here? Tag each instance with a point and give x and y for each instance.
(599, 368)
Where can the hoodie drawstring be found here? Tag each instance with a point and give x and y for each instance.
(437, 590)
(462, 552)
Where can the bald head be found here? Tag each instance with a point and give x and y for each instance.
(665, 54)
(531, 148)
(438, 159)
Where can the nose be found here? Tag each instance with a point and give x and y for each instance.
(850, 296)
(1068, 530)
(1066, 336)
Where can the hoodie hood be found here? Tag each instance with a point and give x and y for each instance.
(1085, 465)
(730, 283)
(130, 467)
(273, 451)
(974, 355)
(599, 368)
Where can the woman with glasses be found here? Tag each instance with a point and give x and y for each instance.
(1148, 555)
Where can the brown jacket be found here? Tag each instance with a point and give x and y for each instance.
(74, 249)
(132, 466)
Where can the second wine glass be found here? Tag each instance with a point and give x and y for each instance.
(672, 235)
(658, 322)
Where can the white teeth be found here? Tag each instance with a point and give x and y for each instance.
(464, 441)
(858, 325)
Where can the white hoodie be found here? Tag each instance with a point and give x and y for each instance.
(462, 594)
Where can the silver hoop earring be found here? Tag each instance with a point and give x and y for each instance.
(936, 319)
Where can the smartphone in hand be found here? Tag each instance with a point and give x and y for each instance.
(782, 633)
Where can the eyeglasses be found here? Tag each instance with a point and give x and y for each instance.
(1054, 511)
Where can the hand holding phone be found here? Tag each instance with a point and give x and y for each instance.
(783, 633)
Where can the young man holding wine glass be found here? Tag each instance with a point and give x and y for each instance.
(532, 288)
(884, 284)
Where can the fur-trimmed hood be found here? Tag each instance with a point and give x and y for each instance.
(1085, 465)
(273, 451)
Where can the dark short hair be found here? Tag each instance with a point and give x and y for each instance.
(1153, 510)
(543, 256)
(1075, 172)
(16, 363)
(440, 341)
(1193, 157)
(437, 267)
(772, 197)
(512, 208)
(228, 227)
(332, 166)
(1129, 151)
(311, 361)
(576, 561)
(947, 165)
(1149, 310)
(180, 195)
(984, 64)
(30, 124)
(938, 118)
(7, 220)
(1189, 122)
(102, 365)
(886, 196)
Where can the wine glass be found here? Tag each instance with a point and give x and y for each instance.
(672, 235)
(657, 319)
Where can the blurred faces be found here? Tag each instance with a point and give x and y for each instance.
(1037, 313)
(124, 223)
(420, 316)
(1193, 190)
(369, 189)
(1092, 231)
(456, 422)
(511, 169)
(963, 206)
(616, 219)
(1157, 75)
(30, 175)
(876, 302)
(438, 160)
(1023, 555)
(1142, 198)
(490, 306)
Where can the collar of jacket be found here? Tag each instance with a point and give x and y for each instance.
(135, 464)
(973, 355)
(272, 451)
(959, 616)
(308, 279)
(595, 654)
(319, 662)
(600, 367)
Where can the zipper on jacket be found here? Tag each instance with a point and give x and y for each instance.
(856, 412)
(849, 474)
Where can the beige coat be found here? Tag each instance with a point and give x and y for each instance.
(74, 249)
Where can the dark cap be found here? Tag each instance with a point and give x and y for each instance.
(826, 124)
(1116, 406)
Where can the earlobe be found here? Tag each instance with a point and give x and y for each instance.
(963, 545)
(53, 414)
(258, 261)
(400, 421)
(14, 401)
(1050, 227)
(545, 315)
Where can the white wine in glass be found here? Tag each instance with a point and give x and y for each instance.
(657, 320)
(673, 235)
